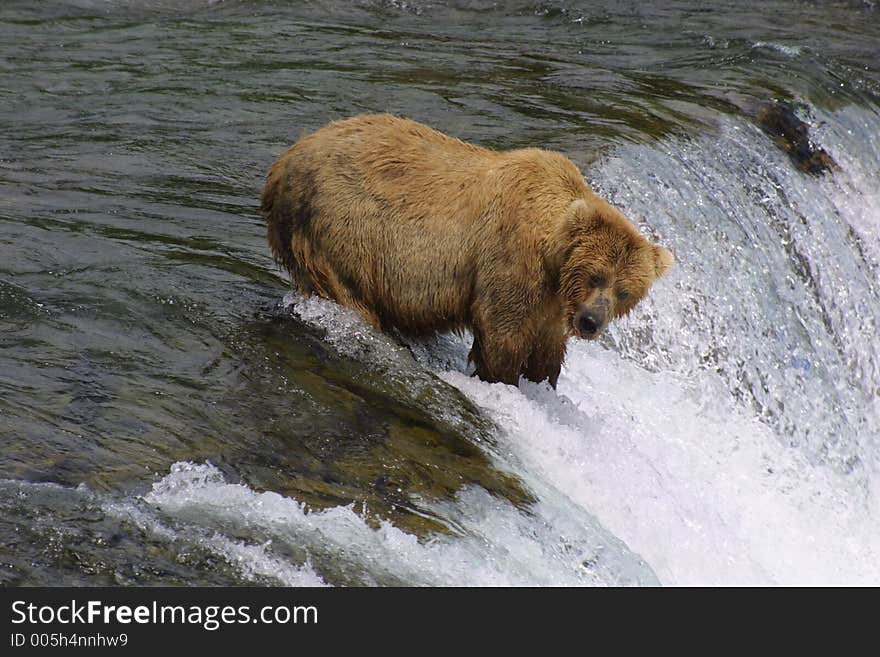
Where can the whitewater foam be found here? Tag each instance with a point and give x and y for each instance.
(253, 561)
(705, 495)
(494, 543)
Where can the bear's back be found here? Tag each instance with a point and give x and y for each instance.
(412, 169)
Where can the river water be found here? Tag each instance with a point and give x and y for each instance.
(170, 413)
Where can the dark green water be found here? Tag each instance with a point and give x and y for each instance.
(139, 307)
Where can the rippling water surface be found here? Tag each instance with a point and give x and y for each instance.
(169, 415)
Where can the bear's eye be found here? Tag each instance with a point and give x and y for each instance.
(622, 295)
(596, 281)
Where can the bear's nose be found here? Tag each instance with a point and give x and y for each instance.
(587, 325)
(589, 321)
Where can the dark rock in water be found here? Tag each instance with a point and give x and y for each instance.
(359, 422)
(792, 135)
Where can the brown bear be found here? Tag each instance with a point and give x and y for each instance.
(425, 233)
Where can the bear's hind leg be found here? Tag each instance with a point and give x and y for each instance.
(369, 316)
(325, 281)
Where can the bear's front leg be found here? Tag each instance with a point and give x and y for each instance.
(498, 358)
(545, 360)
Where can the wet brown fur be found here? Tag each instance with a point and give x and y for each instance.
(425, 233)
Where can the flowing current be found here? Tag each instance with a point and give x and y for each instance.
(170, 413)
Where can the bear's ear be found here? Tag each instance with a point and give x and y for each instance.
(557, 245)
(663, 260)
(578, 218)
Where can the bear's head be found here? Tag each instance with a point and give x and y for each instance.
(606, 266)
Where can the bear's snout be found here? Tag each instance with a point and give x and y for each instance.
(590, 321)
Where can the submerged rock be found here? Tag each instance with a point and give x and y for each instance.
(347, 416)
